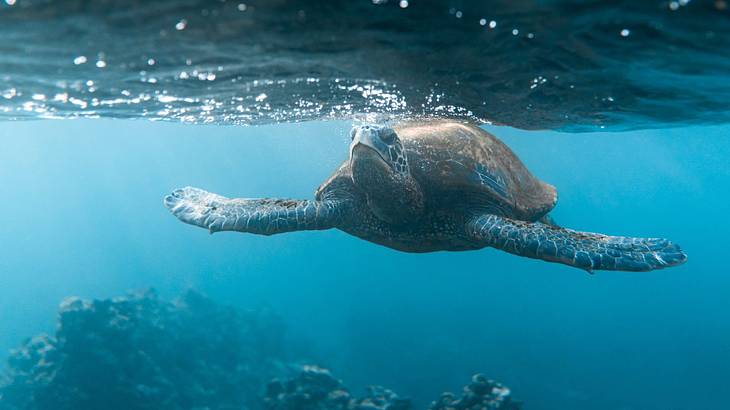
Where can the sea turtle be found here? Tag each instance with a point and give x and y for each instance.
(430, 185)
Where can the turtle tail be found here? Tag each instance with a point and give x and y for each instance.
(589, 251)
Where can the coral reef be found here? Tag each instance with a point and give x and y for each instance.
(480, 394)
(139, 352)
(314, 388)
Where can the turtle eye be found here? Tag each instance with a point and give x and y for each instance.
(388, 136)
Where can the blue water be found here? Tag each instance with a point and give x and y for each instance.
(82, 214)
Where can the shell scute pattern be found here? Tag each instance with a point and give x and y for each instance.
(492, 179)
(464, 158)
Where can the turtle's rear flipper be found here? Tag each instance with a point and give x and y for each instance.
(583, 250)
(263, 216)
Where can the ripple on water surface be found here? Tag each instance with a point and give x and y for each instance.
(556, 64)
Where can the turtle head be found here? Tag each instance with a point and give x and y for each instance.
(380, 170)
(371, 139)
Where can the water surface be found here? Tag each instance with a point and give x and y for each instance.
(557, 64)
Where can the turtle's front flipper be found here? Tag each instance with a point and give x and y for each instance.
(260, 216)
(583, 250)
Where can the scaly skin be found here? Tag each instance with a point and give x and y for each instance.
(260, 216)
(589, 251)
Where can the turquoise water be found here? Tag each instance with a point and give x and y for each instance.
(83, 215)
